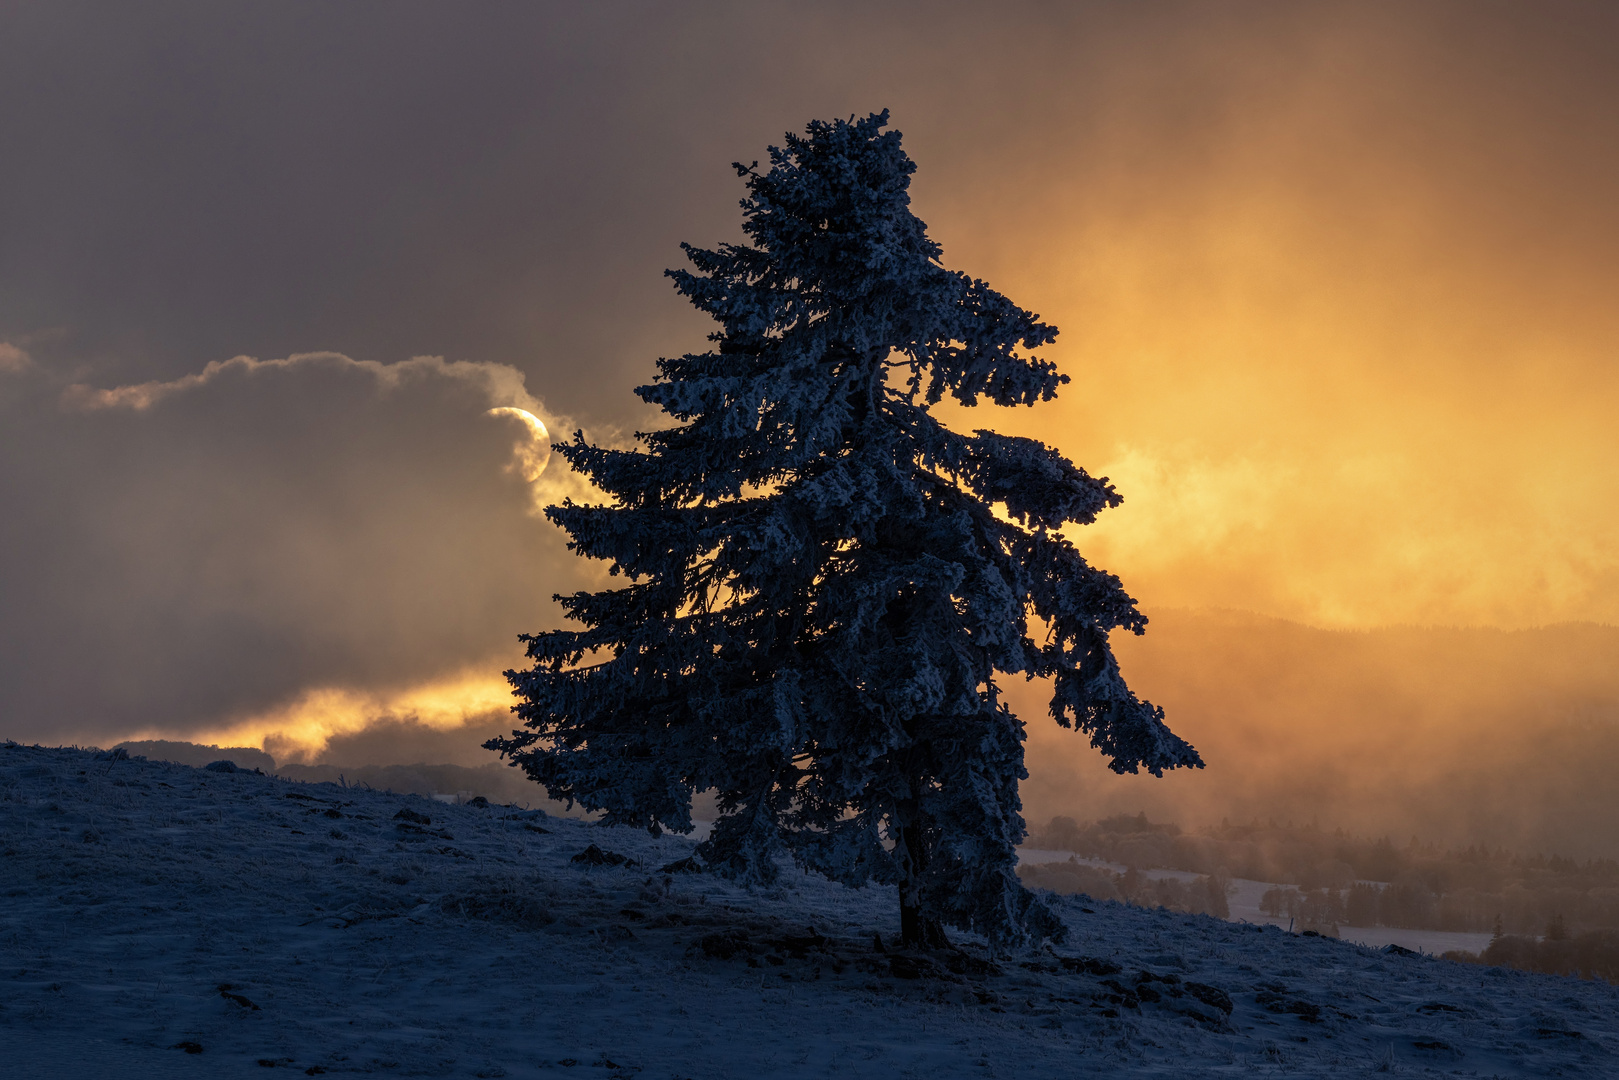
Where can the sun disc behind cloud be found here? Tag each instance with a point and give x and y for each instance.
(529, 457)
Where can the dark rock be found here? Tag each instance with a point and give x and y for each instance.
(1400, 950)
(1277, 1003)
(333, 812)
(222, 766)
(479, 801)
(688, 865)
(1122, 995)
(188, 1046)
(1211, 996)
(407, 814)
(595, 856)
(236, 999)
(1088, 965)
(725, 944)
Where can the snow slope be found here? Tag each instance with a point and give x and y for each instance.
(267, 925)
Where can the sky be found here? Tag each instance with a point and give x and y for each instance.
(288, 291)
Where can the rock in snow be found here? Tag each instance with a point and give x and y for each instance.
(164, 921)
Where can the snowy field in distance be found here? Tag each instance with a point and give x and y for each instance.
(164, 921)
(1246, 894)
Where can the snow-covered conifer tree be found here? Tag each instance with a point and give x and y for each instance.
(820, 598)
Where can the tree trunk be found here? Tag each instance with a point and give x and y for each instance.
(916, 931)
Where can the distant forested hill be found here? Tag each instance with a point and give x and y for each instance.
(1333, 877)
(197, 755)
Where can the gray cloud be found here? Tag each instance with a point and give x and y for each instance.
(13, 360)
(200, 549)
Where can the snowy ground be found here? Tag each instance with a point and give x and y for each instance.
(163, 921)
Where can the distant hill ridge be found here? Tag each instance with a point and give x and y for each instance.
(198, 754)
(1356, 880)
(495, 782)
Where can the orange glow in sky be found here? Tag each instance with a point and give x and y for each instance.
(1346, 351)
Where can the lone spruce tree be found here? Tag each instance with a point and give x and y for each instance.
(820, 596)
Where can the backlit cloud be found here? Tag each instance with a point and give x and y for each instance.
(501, 383)
(284, 548)
(302, 728)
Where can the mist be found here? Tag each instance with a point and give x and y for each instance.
(1459, 736)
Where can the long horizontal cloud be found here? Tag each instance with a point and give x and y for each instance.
(180, 555)
(503, 384)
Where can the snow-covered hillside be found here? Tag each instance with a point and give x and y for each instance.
(164, 921)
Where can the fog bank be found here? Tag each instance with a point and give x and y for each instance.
(1506, 738)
